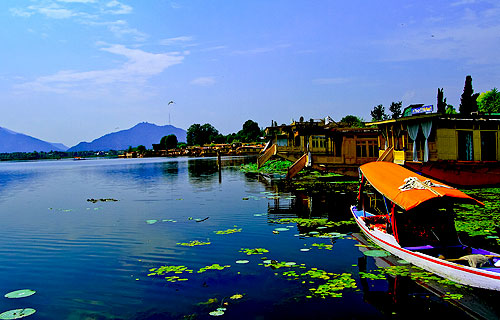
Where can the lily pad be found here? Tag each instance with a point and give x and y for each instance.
(20, 293)
(216, 313)
(376, 253)
(281, 229)
(152, 221)
(242, 261)
(17, 313)
(314, 232)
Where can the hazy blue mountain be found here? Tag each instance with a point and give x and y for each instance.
(11, 141)
(60, 146)
(143, 133)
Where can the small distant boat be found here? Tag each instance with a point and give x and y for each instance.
(411, 217)
(79, 158)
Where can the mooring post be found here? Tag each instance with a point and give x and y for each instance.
(219, 165)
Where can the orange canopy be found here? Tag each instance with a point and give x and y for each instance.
(388, 177)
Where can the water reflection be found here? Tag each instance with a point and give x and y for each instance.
(331, 205)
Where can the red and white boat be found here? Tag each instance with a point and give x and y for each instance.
(411, 217)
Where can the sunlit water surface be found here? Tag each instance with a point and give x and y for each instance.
(91, 260)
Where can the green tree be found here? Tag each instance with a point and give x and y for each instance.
(171, 141)
(378, 113)
(250, 132)
(489, 101)
(201, 134)
(441, 101)
(395, 109)
(450, 109)
(468, 99)
(352, 121)
(141, 148)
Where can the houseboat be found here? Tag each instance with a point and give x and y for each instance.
(322, 144)
(457, 149)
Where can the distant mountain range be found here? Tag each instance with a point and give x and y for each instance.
(143, 133)
(11, 141)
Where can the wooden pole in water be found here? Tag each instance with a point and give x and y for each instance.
(219, 165)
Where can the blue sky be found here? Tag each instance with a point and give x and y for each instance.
(74, 70)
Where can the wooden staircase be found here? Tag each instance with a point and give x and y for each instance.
(267, 155)
(297, 166)
(388, 155)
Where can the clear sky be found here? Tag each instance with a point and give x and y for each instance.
(74, 70)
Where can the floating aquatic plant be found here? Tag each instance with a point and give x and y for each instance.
(281, 229)
(236, 296)
(194, 243)
(376, 253)
(175, 279)
(332, 287)
(167, 269)
(217, 312)
(20, 293)
(249, 251)
(372, 276)
(209, 301)
(17, 313)
(214, 266)
(228, 231)
(102, 200)
(322, 246)
(276, 264)
(151, 221)
(318, 274)
(417, 274)
(242, 261)
(452, 296)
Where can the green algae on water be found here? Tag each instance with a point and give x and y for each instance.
(193, 243)
(249, 251)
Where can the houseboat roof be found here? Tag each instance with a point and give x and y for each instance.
(450, 117)
(406, 188)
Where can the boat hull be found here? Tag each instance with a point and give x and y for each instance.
(460, 173)
(475, 277)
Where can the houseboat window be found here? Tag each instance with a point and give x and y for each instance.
(366, 149)
(282, 142)
(318, 141)
(488, 145)
(337, 143)
(360, 149)
(372, 149)
(465, 146)
(297, 141)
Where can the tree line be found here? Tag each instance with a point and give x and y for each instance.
(470, 102)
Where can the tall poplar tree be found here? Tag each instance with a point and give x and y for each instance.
(468, 101)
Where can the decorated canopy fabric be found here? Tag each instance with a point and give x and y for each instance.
(389, 179)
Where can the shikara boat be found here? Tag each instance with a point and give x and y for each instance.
(412, 217)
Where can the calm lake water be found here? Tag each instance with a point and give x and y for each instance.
(91, 260)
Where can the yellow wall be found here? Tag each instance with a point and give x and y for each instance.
(446, 144)
(476, 138)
